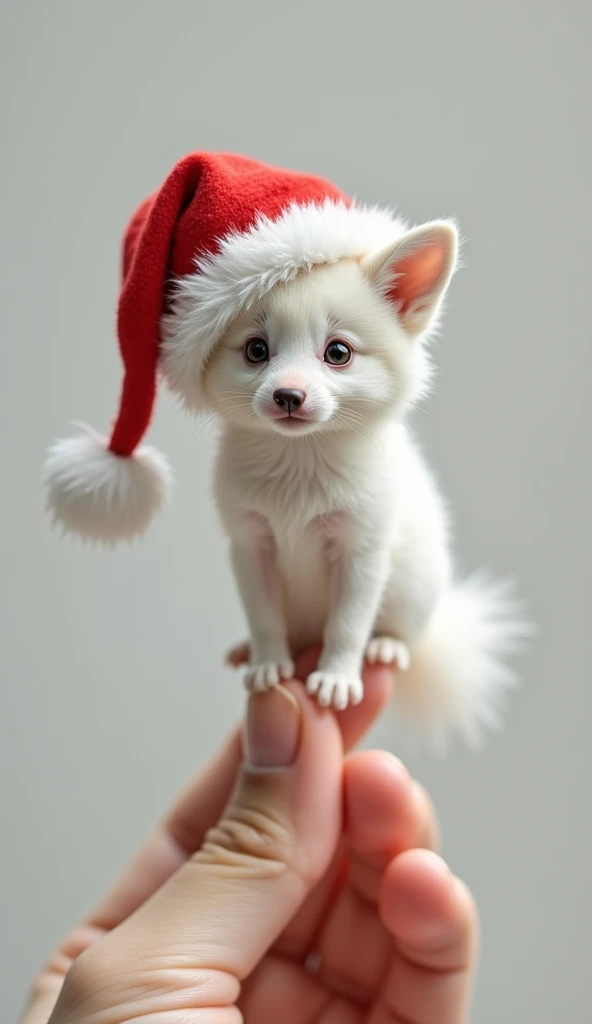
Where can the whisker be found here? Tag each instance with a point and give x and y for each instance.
(349, 421)
(230, 398)
(352, 418)
(220, 414)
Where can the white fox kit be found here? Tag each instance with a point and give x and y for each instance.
(299, 319)
(338, 532)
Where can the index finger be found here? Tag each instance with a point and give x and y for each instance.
(164, 852)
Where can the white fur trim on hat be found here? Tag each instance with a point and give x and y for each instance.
(247, 265)
(102, 496)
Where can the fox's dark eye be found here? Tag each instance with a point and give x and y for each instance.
(338, 353)
(256, 351)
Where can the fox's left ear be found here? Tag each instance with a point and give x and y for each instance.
(415, 272)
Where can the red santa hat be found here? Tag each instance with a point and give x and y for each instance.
(220, 233)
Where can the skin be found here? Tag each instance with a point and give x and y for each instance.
(310, 894)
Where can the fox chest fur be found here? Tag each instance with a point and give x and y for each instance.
(304, 505)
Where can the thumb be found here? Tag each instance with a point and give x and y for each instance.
(273, 842)
(226, 906)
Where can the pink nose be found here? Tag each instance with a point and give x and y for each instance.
(289, 399)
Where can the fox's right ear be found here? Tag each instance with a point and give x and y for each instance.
(415, 272)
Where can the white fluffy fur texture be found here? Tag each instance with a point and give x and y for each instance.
(458, 673)
(339, 535)
(101, 496)
(248, 265)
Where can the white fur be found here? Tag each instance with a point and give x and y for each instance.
(456, 673)
(248, 265)
(381, 267)
(338, 533)
(99, 495)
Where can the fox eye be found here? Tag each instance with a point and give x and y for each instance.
(256, 351)
(338, 353)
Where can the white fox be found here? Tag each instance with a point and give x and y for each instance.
(338, 533)
(299, 319)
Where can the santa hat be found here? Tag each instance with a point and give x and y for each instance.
(220, 233)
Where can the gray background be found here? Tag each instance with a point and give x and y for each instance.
(112, 690)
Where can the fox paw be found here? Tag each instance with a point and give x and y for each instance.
(335, 688)
(383, 650)
(262, 677)
(238, 655)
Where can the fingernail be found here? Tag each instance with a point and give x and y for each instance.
(272, 732)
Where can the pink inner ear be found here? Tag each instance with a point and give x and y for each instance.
(417, 274)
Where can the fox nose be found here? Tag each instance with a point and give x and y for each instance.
(289, 399)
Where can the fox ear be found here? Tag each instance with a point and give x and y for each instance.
(415, 272)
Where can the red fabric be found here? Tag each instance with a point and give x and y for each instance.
(205, 197)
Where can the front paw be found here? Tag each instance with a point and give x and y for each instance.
(263, 676)
(335, 688)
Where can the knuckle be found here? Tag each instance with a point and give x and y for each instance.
(85, 978)
(249, 841)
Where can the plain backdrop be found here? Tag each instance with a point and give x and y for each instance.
(112, 686)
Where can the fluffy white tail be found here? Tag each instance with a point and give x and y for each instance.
(458, 675)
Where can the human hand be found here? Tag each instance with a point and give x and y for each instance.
(296, 893)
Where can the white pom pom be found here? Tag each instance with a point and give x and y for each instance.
(102, 496)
